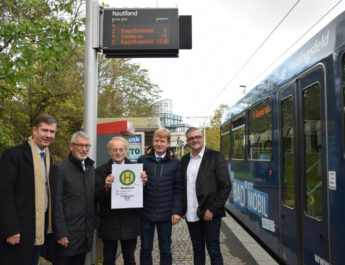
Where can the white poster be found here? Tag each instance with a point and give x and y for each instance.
(127, 188)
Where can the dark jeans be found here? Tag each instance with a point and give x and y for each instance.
(208, 232)
(127, 248)
(70, 260)
(164, 242)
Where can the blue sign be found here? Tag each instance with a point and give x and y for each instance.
(257, 202)
(239, 194)
(135, 149)
(246, 197)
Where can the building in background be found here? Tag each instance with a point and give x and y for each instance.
(172, 122)
(168, 120)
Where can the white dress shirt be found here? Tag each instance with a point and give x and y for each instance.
(192, 173)
(162, 156)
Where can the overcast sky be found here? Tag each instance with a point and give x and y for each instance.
(226, 33)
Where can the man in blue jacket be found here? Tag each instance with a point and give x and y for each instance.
(163, 197)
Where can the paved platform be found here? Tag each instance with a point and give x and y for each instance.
(257, 253)
(182, 249)
(237, 247)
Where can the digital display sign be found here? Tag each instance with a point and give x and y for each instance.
(140, 32)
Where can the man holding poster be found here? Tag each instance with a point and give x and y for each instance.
(116, 224)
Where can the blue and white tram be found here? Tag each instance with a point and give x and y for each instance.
(285, 145)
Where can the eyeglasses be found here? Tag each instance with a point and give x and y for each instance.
(198, 137)
(114, 150)
(80, 146)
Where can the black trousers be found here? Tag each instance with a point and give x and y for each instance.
(70, 260)
(127, 248)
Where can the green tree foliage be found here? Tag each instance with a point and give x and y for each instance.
(42, 65)
(35, 38)
(124, 89)
(213, 131)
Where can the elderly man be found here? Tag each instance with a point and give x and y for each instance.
(74, 211)
(116, 224)
(207, 186)
(25, 212)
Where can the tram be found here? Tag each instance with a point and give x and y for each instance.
(285, 147)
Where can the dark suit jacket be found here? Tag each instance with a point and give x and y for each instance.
(74, 207)
(212, 184)
(17, 204)
(114, 224)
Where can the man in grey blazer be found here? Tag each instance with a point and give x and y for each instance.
(207, 186)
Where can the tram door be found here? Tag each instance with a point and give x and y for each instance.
(304, 176)
(288, 173)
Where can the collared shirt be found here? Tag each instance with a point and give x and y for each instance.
(192, 173)
(83, 166)
(162, 156)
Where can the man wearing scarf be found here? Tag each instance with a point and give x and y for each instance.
(25, 204)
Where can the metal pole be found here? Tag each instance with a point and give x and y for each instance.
(90, 95)
(91, 88)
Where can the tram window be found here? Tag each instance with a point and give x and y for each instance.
(312, 151)
(238, 139)
(260, 131)
(288, 189)
(225, 140)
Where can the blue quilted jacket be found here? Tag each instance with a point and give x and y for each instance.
(163, 192)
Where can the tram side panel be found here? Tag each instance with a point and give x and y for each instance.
(254, 199)
(336, 158)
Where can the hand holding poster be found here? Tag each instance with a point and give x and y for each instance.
(127, 188)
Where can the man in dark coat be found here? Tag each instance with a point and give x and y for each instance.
(163, 197)
(25, 195)
(74, 211)
(116, 224)
(207, 187)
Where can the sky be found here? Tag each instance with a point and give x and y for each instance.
(235, 43)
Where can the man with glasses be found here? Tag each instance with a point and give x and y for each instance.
(74, 211)
(25, 212)
(207, 186)
(116, 224)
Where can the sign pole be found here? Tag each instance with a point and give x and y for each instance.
(90, 94)
(91, 87)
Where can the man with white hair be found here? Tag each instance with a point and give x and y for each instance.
(116, 224)
(74, 211)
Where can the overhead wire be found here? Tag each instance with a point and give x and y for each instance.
(255, 52)
(279, 57)
(293, 44)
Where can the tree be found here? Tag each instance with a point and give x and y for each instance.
(35, 37)
(42, 70)
(213, 131)
(124, 89)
